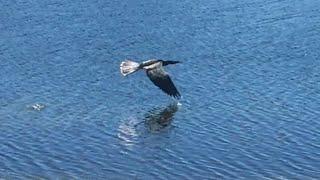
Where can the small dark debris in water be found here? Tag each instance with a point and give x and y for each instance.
(37, 107)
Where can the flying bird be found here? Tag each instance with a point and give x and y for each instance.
(155, 72)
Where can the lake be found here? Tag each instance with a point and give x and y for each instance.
(249, 80)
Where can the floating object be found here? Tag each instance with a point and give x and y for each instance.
(37, 107)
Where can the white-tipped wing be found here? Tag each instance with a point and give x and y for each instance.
(128, 67)
(161, 79)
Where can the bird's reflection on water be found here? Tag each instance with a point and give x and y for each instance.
(153, 121)
(160, 118)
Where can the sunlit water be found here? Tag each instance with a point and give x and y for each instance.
(250, 81)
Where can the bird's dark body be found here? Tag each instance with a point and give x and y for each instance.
(155, 63)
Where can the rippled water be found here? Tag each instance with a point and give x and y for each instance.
(250, 81)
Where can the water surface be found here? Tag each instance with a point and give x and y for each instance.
(250, 81)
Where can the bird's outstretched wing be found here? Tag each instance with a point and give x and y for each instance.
(161, 79)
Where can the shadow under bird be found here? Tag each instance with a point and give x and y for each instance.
(155, 72)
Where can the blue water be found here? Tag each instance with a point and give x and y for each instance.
(250, 81)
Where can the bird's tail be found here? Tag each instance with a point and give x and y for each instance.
(127, 67)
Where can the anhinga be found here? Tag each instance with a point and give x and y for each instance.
(155, 72)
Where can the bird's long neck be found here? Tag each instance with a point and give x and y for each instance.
(169, 62)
